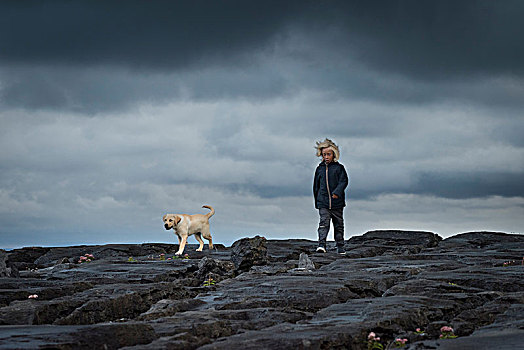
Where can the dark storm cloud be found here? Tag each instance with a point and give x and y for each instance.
(94, 90)
(91, 57)
(452, 185)
(437, 38)
(459, 185)
(143, 34)
(420, 38)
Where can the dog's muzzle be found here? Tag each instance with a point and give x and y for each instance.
(167, 227)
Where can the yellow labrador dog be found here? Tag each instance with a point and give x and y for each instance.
(187, 225)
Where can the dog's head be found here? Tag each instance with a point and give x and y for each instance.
(170, 221)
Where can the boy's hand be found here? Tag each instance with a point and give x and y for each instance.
(334, 196)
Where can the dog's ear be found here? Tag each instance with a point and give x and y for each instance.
(177, 220)
(164, 217)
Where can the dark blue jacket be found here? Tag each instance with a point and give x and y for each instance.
(330, 180)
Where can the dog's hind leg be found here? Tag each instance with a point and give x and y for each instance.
(207, 235)
(198, 237)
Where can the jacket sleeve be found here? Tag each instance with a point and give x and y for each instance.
(343, 182)
(316, 184)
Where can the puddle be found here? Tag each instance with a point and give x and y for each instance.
(210, 298)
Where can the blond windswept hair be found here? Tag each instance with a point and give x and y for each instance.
(327, 143)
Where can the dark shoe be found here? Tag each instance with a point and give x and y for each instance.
(321, 249)
(341, 251)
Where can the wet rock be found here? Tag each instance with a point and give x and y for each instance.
(390, 282)
(105, 336)
(248, 252)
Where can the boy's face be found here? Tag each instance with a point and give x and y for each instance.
(327, 155)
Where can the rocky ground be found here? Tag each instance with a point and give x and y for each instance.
(268, 294)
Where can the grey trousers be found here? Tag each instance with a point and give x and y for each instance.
(337, 216)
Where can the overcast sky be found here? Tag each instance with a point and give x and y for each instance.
(115, 113)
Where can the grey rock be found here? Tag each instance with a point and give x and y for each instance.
(169, 307)
(390, 282)
(399, 238)
(249, 252)
(7, 269)
(104, 336)
(215, 268)
(305, 263)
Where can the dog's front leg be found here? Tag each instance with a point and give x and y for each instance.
(182, 245)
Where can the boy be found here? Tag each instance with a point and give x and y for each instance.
(329, 184)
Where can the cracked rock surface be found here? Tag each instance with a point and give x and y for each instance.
(268, 294)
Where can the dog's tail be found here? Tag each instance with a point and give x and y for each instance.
(211, 213)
